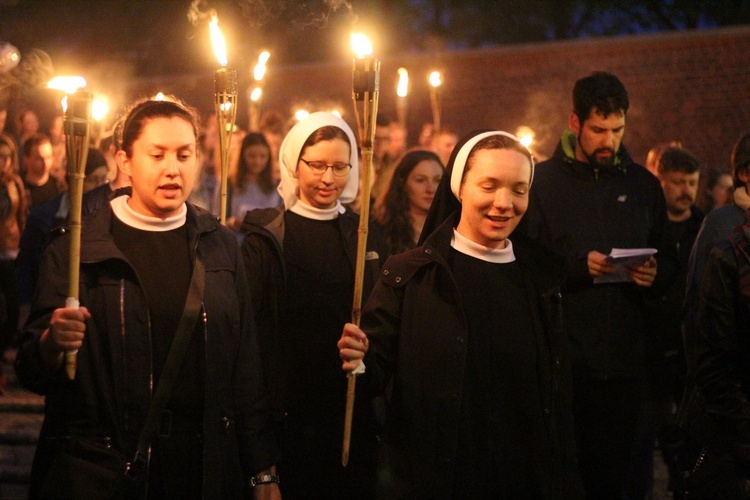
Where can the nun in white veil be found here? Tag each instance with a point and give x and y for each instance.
(300, 259)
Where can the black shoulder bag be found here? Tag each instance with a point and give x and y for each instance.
(88, 466)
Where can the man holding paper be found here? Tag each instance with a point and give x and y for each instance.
(589, 199)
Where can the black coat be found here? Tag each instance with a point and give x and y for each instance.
(573, 210)
(111, 393)
(418, 334)
(264, 260)
(717, 409)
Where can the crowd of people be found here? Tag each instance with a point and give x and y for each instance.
(502, 352)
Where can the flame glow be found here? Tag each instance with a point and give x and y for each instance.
(159, 96)
(68, 84)
(64, 103)
(435, 79)
(255, 95)
(99, 109)
(260, 69)
(301, 115)
(403, 82)
(217, 40)
(336, 112)
(361, 45)
(525, 135)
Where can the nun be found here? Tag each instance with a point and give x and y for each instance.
(300, 258)
(464, 331)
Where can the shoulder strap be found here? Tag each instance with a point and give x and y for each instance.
(174, 359)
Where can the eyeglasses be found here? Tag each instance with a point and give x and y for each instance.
(320, 167)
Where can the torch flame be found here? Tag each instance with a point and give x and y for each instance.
(361, 45)
(64, 103)
(255, 95)
(301, 114)
(68, 84)
(217, 40)
(260, 69)
(403, 82)
(435, 79)
(99, 109)
(159, 96)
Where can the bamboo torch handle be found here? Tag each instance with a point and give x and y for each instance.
(366, 82)
(78, 132)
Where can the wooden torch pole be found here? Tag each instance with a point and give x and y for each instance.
(77, 132)
(365, 84)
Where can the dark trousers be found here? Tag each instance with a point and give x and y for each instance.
(10, 306)
(606, 416)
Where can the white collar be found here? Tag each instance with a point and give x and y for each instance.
(494, 255)
(305, 210)
(130, 217)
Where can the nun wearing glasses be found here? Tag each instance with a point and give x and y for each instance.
(466, 330)
(300, 258)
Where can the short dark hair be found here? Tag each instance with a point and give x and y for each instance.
(129, 127)
(675, 159)
(34, 141)
(603, 92)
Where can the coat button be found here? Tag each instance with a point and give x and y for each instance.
(398, 279)
(386, 272)
(546, 412)
(460, 340)
(428, 251)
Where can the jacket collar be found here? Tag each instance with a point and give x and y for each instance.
(565, 152)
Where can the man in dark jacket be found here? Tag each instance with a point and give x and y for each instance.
(679, 173)
(589, 198)
(464, 334)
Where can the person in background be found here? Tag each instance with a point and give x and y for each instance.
(589, 198)
(28, 126)
(49, 218)
(272, 127)
(37, 162)
(397, 143)
(679, 173)
(252, 184)
(402, 210)
(443, 143)
(300, 259)
(717, 226)
(4, 120)
(59, 158)
(137, 257)
(382, 163)
(716, 410)
(719, 189)
(12, 221)
(464, 335)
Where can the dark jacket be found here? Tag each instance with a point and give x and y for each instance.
(263, 255)
(574, 209)
(717, 411)
(111, 394)
(418, 335)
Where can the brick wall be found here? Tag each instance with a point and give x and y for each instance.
(691, 86)
(688, 86)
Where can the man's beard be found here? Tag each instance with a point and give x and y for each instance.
(593, 159)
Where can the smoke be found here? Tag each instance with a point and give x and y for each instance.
(199, 12)
(259, 12)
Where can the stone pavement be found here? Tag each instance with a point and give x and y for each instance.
(21, 415)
